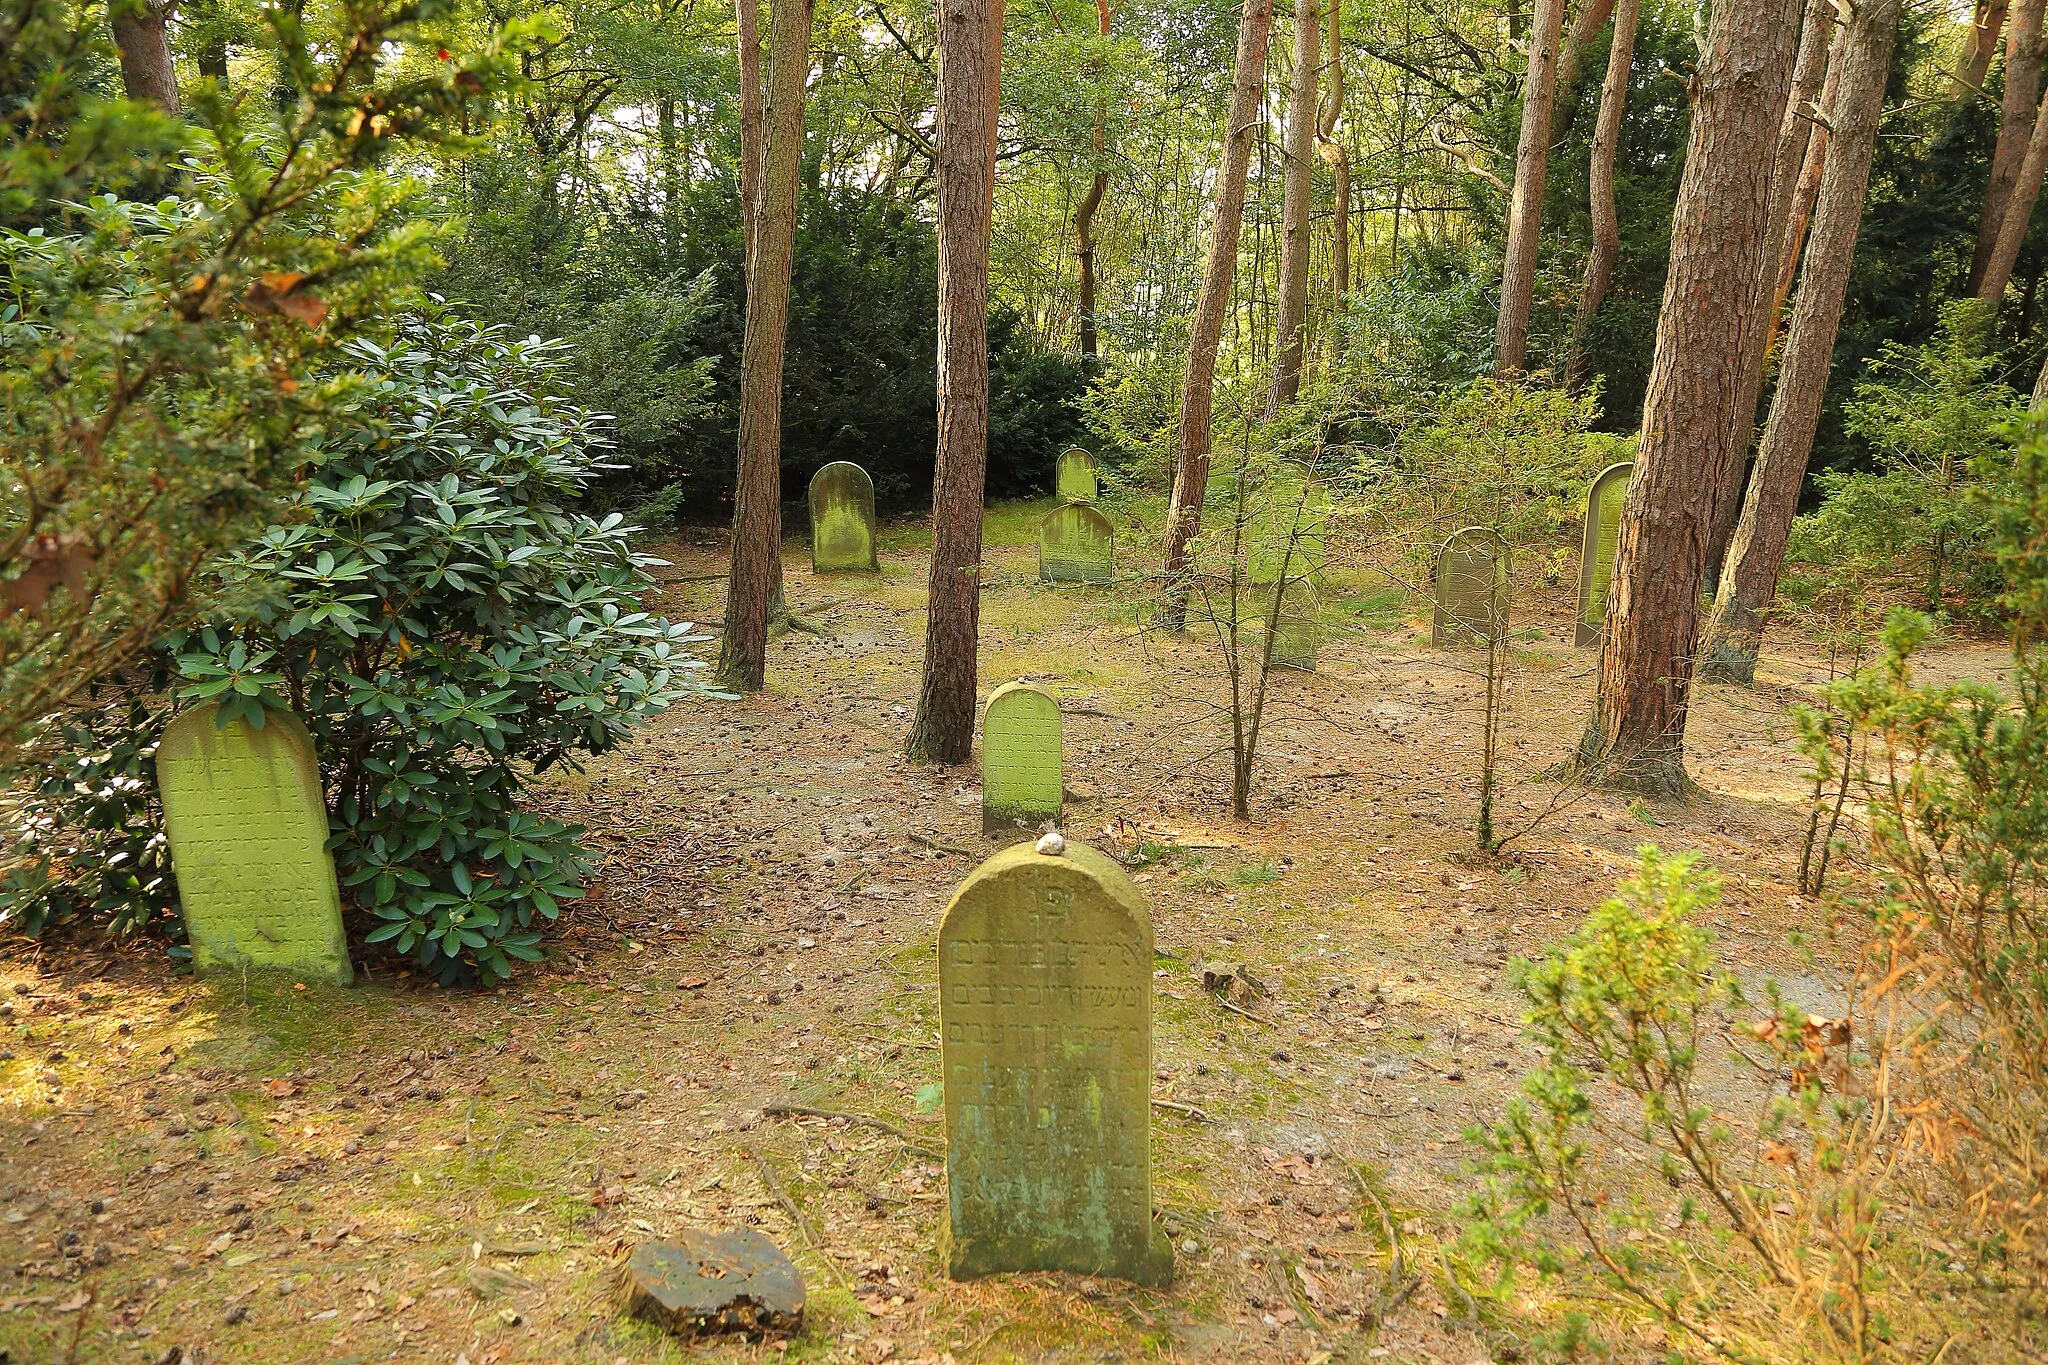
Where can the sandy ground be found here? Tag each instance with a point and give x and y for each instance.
(264, 1172)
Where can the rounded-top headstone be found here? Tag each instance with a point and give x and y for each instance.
(1474, 579)
(1076, 544)
(842, 519)
(1022, 778)
(1045, 1008)
(248, 835)
(1074, 477)
(1602, 542)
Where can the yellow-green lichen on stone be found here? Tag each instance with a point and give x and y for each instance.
(1074, 476)
(842, 519)
(1474, 573)
(248, 836)
(1298, 626)
(1596, 555)
(1022, 781)
(1045, 1006)
(1076, 544)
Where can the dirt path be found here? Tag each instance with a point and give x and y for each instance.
(271, 1173)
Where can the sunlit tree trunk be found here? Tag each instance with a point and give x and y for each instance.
(753, 582)
(1606, 225)
(141, 38)
(1333, 151)
(1973, 63)
(1586, 26)
(1290, 321)
(2019, 213)
(2015, 129)
(1815, 38)
(970, 81)
(1735, 628)
(1084, 216)
(1637, 737)
(1198, 388)
(1525, 204)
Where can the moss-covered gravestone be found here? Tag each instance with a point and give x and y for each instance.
(1297, 627)
(1074, 477)
(842, 519)
(1474, 573)
(1021, 774)
(1288, 526)
(1076, 544)
(1045, 1006)
(1596, 555)
(248, 835)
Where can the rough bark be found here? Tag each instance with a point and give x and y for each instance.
(755, 575)
(1600, 194)
(1815, 38)
(1084, 216)
(1586, 26)
(141, 37)
(747, 14)
(1973, 63)
(1525, 204)
(1637, 737)
(1736, 626)
(1290, 321)
(2015, 129)
(1334, 152)
(1198, 388)
(970, 80)
(2019, 213)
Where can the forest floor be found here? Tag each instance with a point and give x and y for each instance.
(261, 1171)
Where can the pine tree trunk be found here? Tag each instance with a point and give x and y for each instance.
(1735, 629)
(1525, 204)
(1803, 196)
(1600, 195)
(1586, 26)
(970, 81)
(753, 582)
(1808, 71)
(1084, 216)
(2019, 214)
(2015, 129)
(142, 40)
(1333, 152)
(747, 14)
(1973, 63)
(1290, 322)
(1198, 388)
(1637, 738)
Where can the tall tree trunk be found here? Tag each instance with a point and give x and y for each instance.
(1333, 152)
(1973, 63)
(2019, 214)
(1735, 628)
(1525, 204)
(970, 81)
(141, 38)
(1637, 738)
(1586, 25)
(1606, 225)
(2015, 128)
(1808, 70)
(204, 28)
(752, 585)
(1198, 388)
(747, 14)
(1804, 195)
(1290, 322)
(1084, 216)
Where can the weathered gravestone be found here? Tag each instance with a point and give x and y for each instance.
(1474, 577)
(1076, 544)
(1596, 555)
(1021, 774)
(842, 519)
(1074, 477)
(1297, 627)
(1287, 527)
(248, 835)
(1045, 1006)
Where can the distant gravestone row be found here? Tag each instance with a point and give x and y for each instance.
(248, 835)
(1023, 779)
(1076, 544)
(1596, 556)
(1074, 476)
(842, 519)
(1045, 1010)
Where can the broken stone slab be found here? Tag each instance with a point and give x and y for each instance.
(707, 1282)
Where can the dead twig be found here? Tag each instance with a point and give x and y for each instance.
(1239, 1009)
(796, 1216)
(778, 1108)
(917, 838)
(1190, 1110)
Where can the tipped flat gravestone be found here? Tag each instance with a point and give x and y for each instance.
(842, 519)
(248, 835)
(1045, 1008)
(1596, 556)
(706, 1282)
(1474, 576)
(1022, 782)
(1074, 477)
(1076, 544)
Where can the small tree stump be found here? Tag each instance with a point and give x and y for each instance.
(710, 1282)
